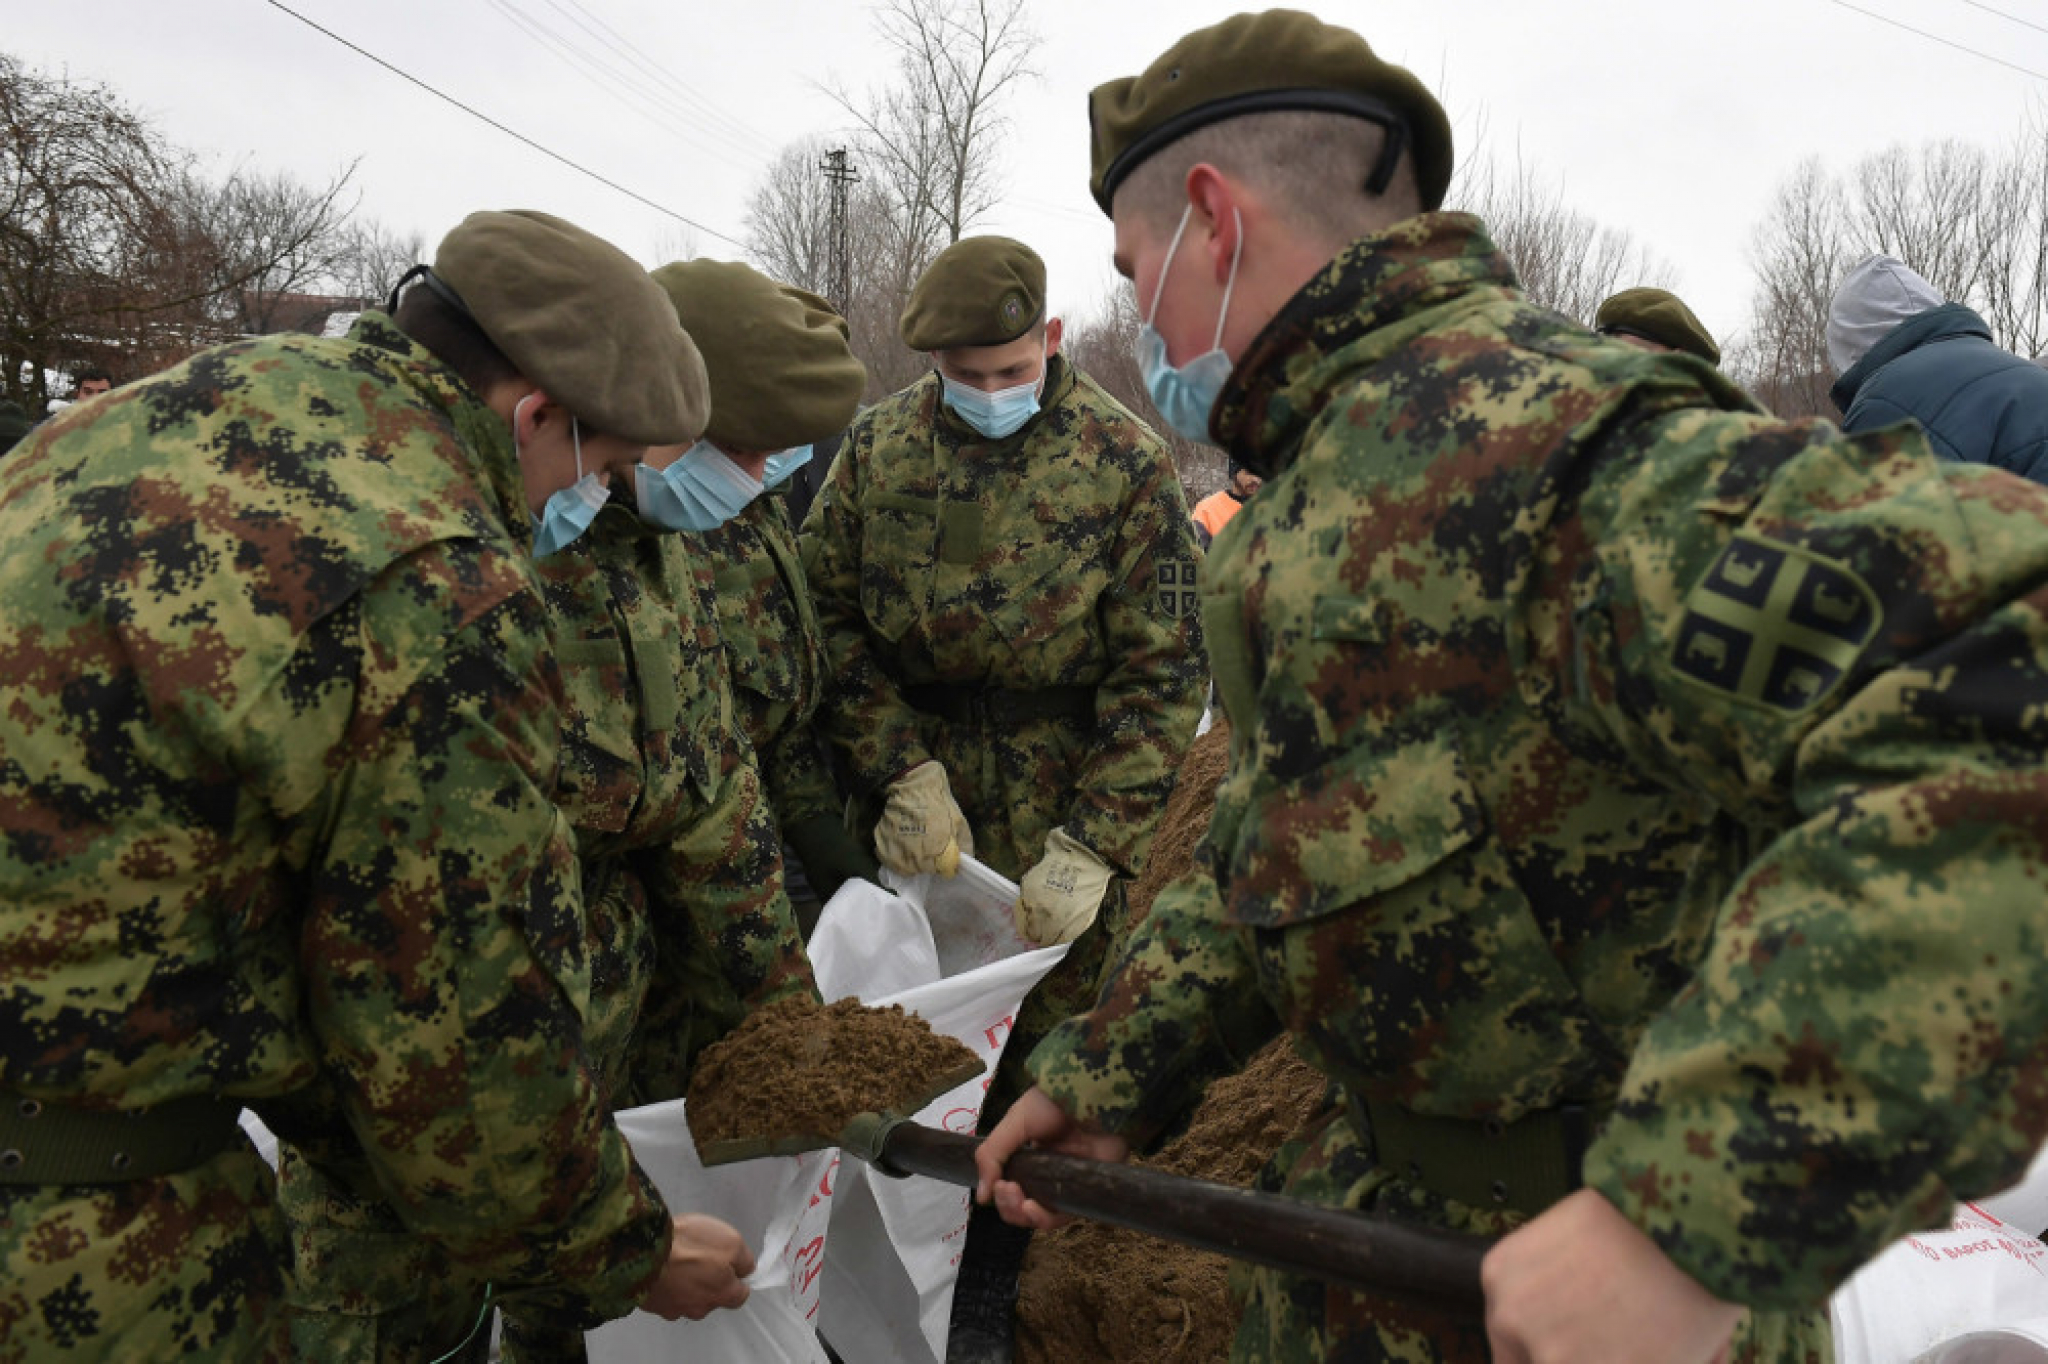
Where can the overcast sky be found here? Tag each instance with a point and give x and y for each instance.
(1674, 122)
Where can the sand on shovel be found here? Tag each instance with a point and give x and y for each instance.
(791, 1076)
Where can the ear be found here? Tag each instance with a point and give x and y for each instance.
(1217, 216)
(1053, 331)
(530, 410)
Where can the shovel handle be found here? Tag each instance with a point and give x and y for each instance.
(1421, 1265)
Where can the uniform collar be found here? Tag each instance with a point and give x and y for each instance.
(1360, 308)
(482, 430)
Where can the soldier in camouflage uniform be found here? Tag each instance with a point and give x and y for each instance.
(281, 731)
(681, 854)
(1626, 788)
(782, 378)
(1004, 569)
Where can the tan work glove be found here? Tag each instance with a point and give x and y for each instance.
(1060, 896)
(921, 828)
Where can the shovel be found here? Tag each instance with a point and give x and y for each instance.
(1424, 1266)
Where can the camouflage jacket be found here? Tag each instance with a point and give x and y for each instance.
(679, 849)
(776, 654)
(281, 732)
(1598, 738)
(1061, 555)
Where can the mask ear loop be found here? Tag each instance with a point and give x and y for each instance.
(1172, 250)
(576, 438)
(518, 408)
(1236, 254)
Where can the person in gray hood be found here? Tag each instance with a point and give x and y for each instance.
(1903, 352)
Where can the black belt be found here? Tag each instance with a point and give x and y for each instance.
(1526, 1165)
(1000, 705)
(49, 1143)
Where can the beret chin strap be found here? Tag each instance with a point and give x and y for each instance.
(1391, 147)
(425, 275)
(1266, 102)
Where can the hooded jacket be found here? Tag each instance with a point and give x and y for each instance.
(1937, 365)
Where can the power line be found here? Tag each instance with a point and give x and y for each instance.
(517, 136)
(610, 81)
(2023, 23)
(743, 133)
(1937, 38)
(634, 90)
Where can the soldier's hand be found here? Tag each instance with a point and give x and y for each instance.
(707, 1269)
(921, 828)
(1582, 1284)
(831, 855)
(1035, 1120)
(1060, 896)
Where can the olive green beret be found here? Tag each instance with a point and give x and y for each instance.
(583, 320)
(981, 291)
(1657, 315)
(782, 373)
(1263, 63)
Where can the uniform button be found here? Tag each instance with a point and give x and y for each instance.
(1492, 1127)
(31, 1108)
(10, 1160)
(121, 1161)
(1500, 1191)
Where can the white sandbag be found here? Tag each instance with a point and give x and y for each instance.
(894, 1247)
(780, 1205)
(970, 915)
(870, 942)
(1940, 1291)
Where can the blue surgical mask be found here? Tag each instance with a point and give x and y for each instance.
(701, 491)
(783, 463)
(995, 414)
(1187, 395)
(569, 511)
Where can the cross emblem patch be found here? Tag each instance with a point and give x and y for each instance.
(1774, 625)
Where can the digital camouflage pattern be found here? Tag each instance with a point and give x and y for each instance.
(687, 925)
(1061, 555)
(665, 790)
(776, 655)
(275, 824)
(1600, 739)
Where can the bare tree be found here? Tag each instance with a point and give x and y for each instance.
(1103, 345)
(116, 251)
(1974, 225)
(926, 167)
(1932, 209)
(82, 220)
(677, 242)
(2014, 298)
(1799, 253)
(275, 240)
(373, 257)
(789, 218)
(1565, 260)
(932, 135)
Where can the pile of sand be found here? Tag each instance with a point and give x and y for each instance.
(1099, 1293)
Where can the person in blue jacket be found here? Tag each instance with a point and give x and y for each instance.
(1903, 351)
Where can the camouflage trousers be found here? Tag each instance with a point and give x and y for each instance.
(1292, 1320)
(362, 1286)
(182, 1267)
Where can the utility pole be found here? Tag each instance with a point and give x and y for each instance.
(841, 174)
